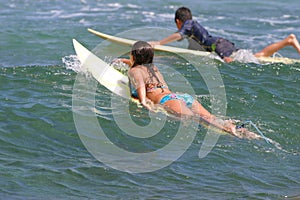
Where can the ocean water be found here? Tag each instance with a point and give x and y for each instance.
(43, 154)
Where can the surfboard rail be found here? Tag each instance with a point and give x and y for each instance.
(166, 48)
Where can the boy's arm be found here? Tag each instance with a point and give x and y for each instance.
(171, 38)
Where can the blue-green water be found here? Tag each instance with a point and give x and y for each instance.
(41, 154)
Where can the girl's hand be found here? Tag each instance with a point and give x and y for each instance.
(148, 105)
(123, 60)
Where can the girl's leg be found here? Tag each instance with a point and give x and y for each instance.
(198, 109)
(177, 107)
(209, 118)
(291, 40)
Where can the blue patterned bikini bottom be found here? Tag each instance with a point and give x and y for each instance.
(186, 98)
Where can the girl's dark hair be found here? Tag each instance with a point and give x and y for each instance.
(142, 53)
(183, 14)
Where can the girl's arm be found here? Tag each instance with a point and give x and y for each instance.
(147, 103)
(125, 60)
(137, 80)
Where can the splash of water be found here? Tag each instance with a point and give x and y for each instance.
(245, 56)
(71, 62)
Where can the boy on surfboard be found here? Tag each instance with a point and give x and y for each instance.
(150, 88)
(200, 39)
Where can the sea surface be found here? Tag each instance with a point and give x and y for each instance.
(42, 150)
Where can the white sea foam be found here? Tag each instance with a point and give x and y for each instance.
(245, 56)
(71, 62)
(133, 6)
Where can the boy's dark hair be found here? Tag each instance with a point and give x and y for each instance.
(142, 53)
(183, 14)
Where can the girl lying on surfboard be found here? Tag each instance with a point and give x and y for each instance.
(151, 89)
(200, 39)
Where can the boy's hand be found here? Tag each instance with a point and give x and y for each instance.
(153, 43)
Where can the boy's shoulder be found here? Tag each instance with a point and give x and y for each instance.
(190, 25)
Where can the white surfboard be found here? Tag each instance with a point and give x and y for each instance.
(166, 48)
(105, 74)
(157, 47)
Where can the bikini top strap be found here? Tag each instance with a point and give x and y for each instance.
(150, 68)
